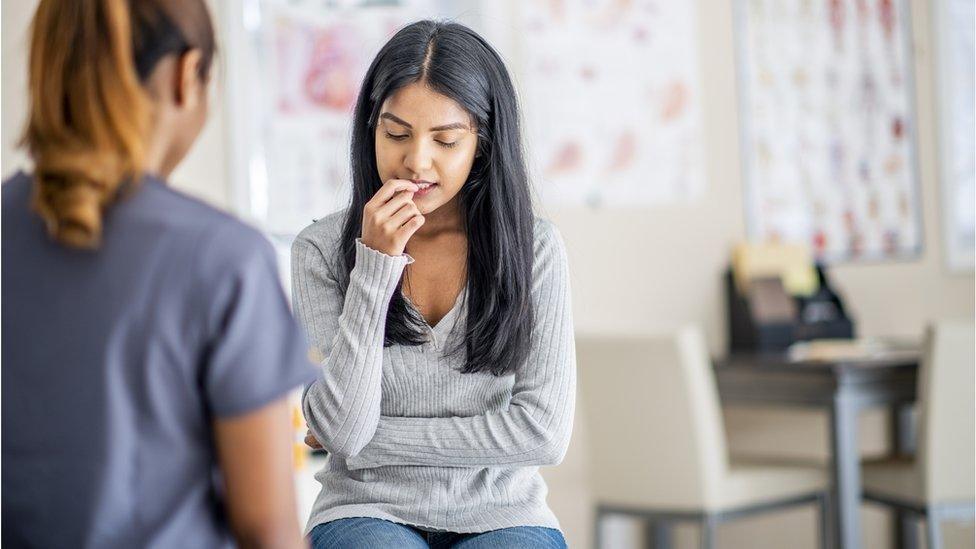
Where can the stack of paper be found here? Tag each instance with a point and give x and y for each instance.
(850, 349)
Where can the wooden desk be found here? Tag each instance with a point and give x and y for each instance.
(842, 387)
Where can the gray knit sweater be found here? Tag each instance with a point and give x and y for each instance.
(410, 439)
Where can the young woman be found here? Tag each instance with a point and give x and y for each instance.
(441, 309)
(147, 345)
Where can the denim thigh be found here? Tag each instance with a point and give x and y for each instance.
(365, 533)
(520, 537)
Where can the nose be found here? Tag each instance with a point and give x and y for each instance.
(419, 158)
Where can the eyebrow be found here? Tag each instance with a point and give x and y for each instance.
(445, 127)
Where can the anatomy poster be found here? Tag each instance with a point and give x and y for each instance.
(296, 67)
(828, 140)
(612, 101)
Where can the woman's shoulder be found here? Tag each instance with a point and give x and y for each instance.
(16, 183)
(16, 195)
(546, 238)
(550, 263)
(219, 236)
(324, 233)
(321, 241)
(180, 223)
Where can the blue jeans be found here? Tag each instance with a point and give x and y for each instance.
(367, 533)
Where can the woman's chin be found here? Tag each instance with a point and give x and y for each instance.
(426, 204)
(432, 203)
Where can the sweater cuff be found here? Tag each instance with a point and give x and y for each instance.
(364, 250)
(378, 270)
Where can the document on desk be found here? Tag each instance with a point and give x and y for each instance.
(825, 350)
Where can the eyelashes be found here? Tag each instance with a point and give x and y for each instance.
(401, 137)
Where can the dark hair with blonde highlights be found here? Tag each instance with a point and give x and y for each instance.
(89, 114)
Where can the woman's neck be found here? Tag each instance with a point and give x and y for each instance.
(446, 219)
(156, 161)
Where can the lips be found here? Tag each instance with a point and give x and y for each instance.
(425, 187)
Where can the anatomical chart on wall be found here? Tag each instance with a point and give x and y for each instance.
(612, 101)
(828, 140)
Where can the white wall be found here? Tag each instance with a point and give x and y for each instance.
(15, 18)
(652, 270)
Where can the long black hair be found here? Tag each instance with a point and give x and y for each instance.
(495, 201)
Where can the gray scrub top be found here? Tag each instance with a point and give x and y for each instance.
(116, 361)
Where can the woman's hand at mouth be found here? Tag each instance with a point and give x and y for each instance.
(390, 218)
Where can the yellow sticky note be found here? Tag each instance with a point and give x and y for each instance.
(792, 263)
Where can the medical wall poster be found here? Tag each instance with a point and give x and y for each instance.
(612, 101)
(828, 126)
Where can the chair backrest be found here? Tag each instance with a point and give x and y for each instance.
(570, 497)
(947, 424)
(654, 423)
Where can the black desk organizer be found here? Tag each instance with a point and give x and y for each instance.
(819, 316)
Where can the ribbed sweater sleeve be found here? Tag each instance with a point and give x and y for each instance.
(535, 428)
(342, 407)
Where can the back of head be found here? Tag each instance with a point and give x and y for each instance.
(90, 116)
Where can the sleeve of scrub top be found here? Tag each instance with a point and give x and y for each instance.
(256, 352)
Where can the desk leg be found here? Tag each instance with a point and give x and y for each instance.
(902, 430)
(846, 472)
(657, 535)
(904, 527)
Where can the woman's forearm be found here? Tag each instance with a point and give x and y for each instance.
(342, 408)
(514, 437)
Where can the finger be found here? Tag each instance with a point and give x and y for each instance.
(394, 205)
(404, 214)
(410, 227)
(311, 441)
(390, 189)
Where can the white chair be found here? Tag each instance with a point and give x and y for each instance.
(569, 490)
(938, 484)
(657, 444)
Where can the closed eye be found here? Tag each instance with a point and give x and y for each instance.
(449, 145)
(396, 137)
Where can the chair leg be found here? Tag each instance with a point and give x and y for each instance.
(823, 515)
(597, 534)
(657, 534)
(934, 533)
(905, 529)
(708, 530)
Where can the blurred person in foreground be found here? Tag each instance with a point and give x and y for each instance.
(148, 348)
